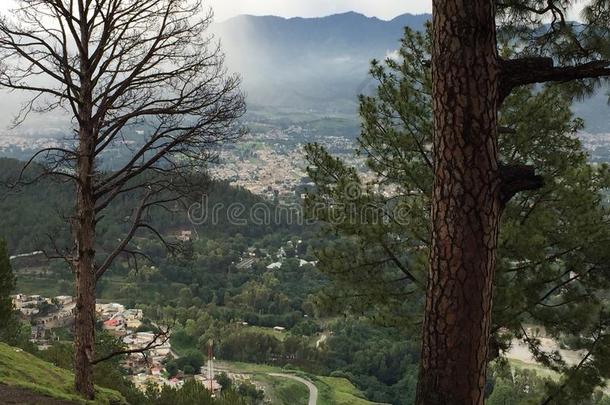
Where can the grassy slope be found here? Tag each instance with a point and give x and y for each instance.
(331, 390)
(283, 391)
(291, 392)
(24, 370)
(338, 391)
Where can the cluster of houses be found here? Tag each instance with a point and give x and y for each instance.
(37, 307)
(146, 368)
(149, 369)
(44, 315)
(118, 320)
(157, 377)
(281, 256)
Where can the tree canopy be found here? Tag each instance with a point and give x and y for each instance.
(552, 265)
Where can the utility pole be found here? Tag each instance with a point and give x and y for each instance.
(211, 364)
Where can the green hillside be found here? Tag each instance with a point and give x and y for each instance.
(21, 369)
(331, 390)
(338, 391)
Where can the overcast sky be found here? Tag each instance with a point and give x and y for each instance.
(385, 9)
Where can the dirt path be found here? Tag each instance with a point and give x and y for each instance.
(20, 396)
(321, 340)
(313, 390)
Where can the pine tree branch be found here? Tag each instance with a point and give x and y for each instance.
(517, 178)
(524, 71)
(574, 371)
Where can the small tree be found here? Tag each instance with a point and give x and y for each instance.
(138, 77)
(7, 286)
(225, 382)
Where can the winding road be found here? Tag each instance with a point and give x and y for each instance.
(313, 390)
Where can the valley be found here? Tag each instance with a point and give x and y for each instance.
(281, 255)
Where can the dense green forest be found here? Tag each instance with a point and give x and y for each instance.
(210, 296)
(37, 211)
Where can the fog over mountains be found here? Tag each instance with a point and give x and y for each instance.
(313, 63)
(322, 64)
(302, 64)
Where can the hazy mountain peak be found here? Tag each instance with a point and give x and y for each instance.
(338, 16)
(309, 62)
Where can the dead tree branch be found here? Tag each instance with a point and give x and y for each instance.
(159, 339)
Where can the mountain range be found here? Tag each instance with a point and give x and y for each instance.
(321, 64)
(313, 63)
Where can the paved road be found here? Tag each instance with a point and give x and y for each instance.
(313, 390)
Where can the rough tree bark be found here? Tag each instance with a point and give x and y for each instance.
(466, 203)
(84, 327)
(471, 187)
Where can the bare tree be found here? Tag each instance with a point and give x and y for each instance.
(141, 75)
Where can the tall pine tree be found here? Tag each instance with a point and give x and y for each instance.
(552, 264)
(470, 81)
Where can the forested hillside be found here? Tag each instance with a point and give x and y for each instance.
(218, 286)
(34, 213)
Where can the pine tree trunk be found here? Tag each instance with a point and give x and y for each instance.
(84, 338)
(466, 204)
(84, 330)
